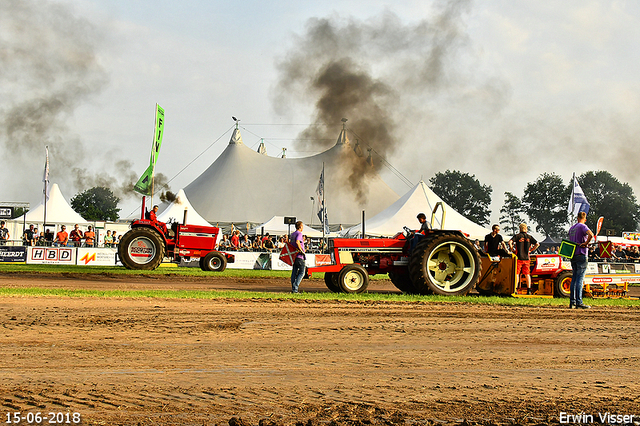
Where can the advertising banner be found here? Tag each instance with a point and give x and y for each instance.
(13, 254)
(102, 256)
(51, 255)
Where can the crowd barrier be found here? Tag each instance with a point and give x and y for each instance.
(102, 256)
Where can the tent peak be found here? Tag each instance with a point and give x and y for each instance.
(236, 137)
(343, 139)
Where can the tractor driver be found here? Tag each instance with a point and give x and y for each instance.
(424, 225)
(153, 216)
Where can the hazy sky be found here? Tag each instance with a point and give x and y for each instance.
(505, 90)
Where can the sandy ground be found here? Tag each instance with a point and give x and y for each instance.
(242, 362)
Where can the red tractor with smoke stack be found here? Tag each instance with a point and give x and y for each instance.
(441, 262)
(150, 241)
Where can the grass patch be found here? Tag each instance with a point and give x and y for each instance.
(319, 296)
(119, 270)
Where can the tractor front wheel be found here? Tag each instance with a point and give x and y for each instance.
(213, 261)
(141, 248)
(353, 279)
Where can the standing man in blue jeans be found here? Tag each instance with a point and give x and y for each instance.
(581, 235)
(297, 273)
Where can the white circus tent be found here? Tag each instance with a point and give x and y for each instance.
(419, 199)
(58, 211)
(242, 185)
(175, 211)
(276, 226)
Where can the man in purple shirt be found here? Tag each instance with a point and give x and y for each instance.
(581, 235)
(297, 273)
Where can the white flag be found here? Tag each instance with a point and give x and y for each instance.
(322, 209)
(578, 202)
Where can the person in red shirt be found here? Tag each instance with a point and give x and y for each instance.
(62, 238)
(235, 240)
(89, 236)
(76, 235)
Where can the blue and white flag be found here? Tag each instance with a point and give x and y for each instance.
(578, 202)
(322, 209)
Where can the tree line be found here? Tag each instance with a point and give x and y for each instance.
(544, 202)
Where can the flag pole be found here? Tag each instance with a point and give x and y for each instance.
(324, 206)
(46, 180)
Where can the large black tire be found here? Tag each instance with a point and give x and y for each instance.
(446, 264)
(214, 261)
(562, 287)
(331, 281)
(141, 248)
(402, 281)
(353, 279)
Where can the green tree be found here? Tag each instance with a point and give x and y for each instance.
(511, 214)
(612, 199)
(464, 193)
(97, 203)
(545, 202)
(19, 211)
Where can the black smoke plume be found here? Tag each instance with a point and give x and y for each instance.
(49, 68)
(370, 72)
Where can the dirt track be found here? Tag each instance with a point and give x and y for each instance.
(195, 362)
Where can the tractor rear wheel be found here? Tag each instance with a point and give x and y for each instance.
(402, 281)
(331, 281)
(446, 264)
(563, 284)
(214, 261)
(353, 279)
(141, 248)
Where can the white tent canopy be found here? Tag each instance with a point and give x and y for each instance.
(175, 212)
(244, 186)
(276, 226)
(58, 211)
(419, 199)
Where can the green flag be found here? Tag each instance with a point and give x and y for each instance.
(143, 186)
(145, 183)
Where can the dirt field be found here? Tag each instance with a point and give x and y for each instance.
(206, 362)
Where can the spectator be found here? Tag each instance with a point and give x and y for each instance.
(619, 253)
(4, 234)
(224, 244)
(89, 235)
(108, 239)
(235, 240)
(282, 241)
(245, 244)
(268, 244)
(257, 244)
(48, 237)
(115, 239)
(76, 235)
(524, 245)
(28, 236)
(62, 238)
(42, 241)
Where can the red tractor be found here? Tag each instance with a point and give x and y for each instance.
(440, 262)
(149, 241)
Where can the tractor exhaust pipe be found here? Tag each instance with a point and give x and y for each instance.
(184, 219)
